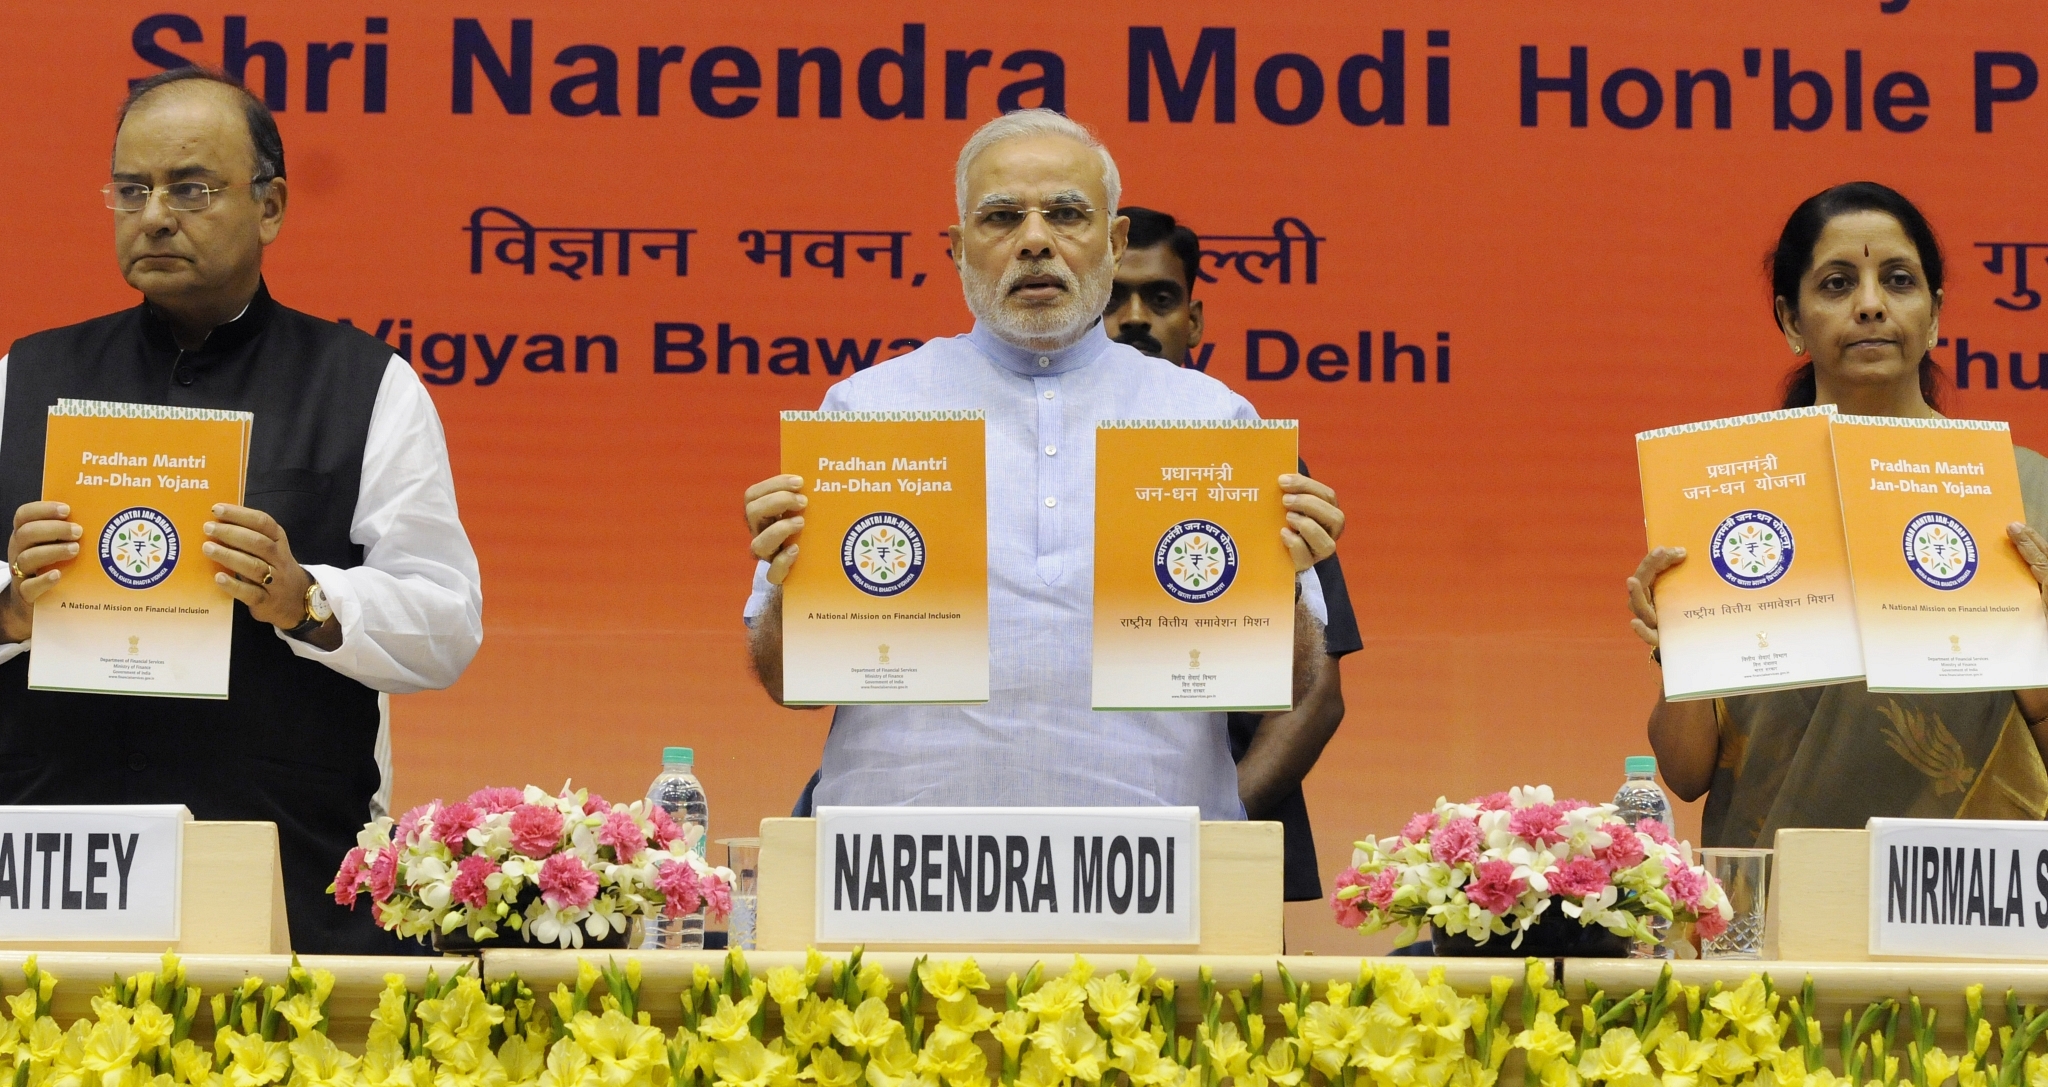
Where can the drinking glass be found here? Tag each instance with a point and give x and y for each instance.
(1745, 877)
(743, 856)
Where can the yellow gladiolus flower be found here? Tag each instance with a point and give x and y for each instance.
(1681, 1058)
(1119, 1004)
(1940, 1066)
(955, 1059)
(829, 1069)
(810, 1024)
(153, 1026)
(1749, 1007)
(1038, 1071)
(303, 1015)
(1728, 1062)
(1281, 1063)
(1227, 1051)
(748, 1063)
(317, 1062)
(788, 986)
(731, 1022)
(1618, 1060)
(1076, 1050)
(963, 1016)
(622, 1051)
(110, 1046)
(1057, 998)
(874, 984)
(1332, 1033)
(568, 1066)
(1009, 1030)
(869, 1029)
(952, 980)
(521, 1059)
(1391, 1047)
(1560, 1074)
(254, 1062)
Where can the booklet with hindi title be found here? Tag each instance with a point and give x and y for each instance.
(1764, 600)
(1194, 588)
(137, 611)
(1945, 601)
(888, 599)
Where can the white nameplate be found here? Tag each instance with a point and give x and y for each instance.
(1959, 888)
(91, 873)
(1008, 875)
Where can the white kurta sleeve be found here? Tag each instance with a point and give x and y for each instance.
(8, 650)
(412, 614)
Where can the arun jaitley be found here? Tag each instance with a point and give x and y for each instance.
(353, 572)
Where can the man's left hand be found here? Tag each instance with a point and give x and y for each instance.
(1313, 520)
(258, 564)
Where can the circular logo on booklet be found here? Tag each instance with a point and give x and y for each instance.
(1195, 561)
(1940, 551)
(1752, 549)
(139, 547)
(883, 554)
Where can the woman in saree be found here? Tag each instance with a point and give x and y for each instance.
(1856, 282)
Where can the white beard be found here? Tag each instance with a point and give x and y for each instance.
(1038, 328)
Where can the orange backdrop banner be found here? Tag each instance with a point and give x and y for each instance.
(1474, 248)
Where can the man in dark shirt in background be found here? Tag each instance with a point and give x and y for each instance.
(1153, 308)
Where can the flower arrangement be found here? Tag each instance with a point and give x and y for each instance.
(556, 867)
(1495, 866)
(844, 1023)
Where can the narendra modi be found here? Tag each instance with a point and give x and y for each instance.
(1036, 243)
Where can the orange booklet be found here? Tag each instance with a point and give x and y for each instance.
(1945, 600)
(1194, 589)
(137, 611)
(888, 599)
(1763, 600)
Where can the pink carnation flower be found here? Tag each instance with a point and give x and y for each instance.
(1456, 843)
(596, 805)
(469, 888)
(622, 834)
(1580, 877)
(565, 883)
(1419, 826)
(717, 898)
(1379, 890)
(536, 830)
(1495, 887)
(666, 830)
(1571, 805)
(1538, 823)
(1686, 885)
(1710, 925)
(1500, 801)
(1626, 851)
(1657, 832)
(682, 891)
(454, 822)
(407, 831)
(347, 879)
(498, 801)
(384, 873)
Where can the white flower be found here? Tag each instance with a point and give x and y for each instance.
(1525, 796)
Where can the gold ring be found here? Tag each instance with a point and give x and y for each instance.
(19, 573)
(269, 573)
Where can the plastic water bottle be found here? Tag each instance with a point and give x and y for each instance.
(678, 792)
(1640, 799)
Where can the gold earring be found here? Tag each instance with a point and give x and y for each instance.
(1798, 349)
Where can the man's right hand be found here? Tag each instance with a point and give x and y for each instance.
(42, 539)
(775, 515)
(1642, 590)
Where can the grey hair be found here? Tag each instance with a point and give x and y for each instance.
(1033, 122)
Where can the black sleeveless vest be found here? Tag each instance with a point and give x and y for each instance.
(294, 743)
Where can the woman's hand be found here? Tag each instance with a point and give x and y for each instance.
(1642, 590)
(2034, 550)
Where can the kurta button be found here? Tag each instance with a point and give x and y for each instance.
(1043, 362)
(137, 763)
(1052, 450)
(1051, 502)
(183, 376)
(1048, 394)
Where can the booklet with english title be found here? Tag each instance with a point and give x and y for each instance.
(1945, 601)
(137, 611)
(887, 601)
(1764, 600)
(1194, 588)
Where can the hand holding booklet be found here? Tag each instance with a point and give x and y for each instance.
(137, 612)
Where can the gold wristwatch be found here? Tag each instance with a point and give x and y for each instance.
(318, 611)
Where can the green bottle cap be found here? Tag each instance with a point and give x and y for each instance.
(688, 757)
(1634, 764)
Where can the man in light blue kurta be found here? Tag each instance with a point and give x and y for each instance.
(1043, 379)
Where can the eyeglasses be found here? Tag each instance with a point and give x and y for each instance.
(178, 195)
(1001, 219)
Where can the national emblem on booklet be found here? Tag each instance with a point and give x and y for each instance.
(1194, 588)
(137, 612)
(1944, 599)
(888, 600)
(1764, 600)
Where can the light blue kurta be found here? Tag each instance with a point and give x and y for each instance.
(1035, 741)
